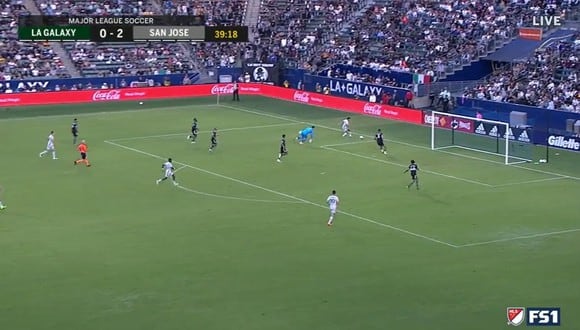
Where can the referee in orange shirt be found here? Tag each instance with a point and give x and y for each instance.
(82, 148)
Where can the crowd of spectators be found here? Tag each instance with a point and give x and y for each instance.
(93, 59)
(288, 30)
(549, 79)
(421, 36)
(151, 58)
(24, 60)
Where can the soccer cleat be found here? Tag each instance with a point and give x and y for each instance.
(278, 160)
(157, 181)
(3, 207)
(175, 183)
(74, 162)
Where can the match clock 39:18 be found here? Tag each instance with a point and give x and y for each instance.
(226, 33)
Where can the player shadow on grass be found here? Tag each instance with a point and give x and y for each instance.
(432, 198)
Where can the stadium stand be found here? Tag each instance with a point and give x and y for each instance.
(549, 79)
(24, 60)
(211, 55)
(297, 31)
(425, 36)
(107, 59)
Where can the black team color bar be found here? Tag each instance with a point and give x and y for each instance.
(126, 29)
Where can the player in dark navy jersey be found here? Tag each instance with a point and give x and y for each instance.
(75, 130)
(412, 169)
(194, 131)
(283, 151)
(213, 140)
(380, 141)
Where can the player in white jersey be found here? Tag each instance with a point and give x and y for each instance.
(332, 202)
(345, 126)
(49, 146)
(169, 172)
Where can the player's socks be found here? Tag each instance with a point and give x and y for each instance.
(54, 155)
(42, 153)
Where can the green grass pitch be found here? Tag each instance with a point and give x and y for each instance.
(242, 243)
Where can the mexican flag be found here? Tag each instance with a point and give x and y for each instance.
(421, 79)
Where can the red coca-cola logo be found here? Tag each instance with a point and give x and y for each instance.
(465, 125)
(107, 95)
(222, 89)
(372, 109)
(301, 97)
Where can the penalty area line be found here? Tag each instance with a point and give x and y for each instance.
(249, 184)
(291, 119)
(519, 238)
(219, 130)
(529, 182)
(404, 166)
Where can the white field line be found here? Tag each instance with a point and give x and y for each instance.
(520, 238)
(397, 142)
(354, 216)
(236, 198)
(529, 182)
(345, 143)
(184, 134)
(404, 166)
(90, 114)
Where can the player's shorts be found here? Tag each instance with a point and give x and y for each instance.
(168, 173)
(75, 133)
(413, 175)
(283, 151)
(50, 146)
(214, 142)
(194, 132)
(380, 143)
(333, 210)
(303, 136)
(345, 128)
(83, 155)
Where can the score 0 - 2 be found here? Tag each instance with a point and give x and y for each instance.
(104, 33)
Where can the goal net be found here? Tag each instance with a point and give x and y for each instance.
(472, 135)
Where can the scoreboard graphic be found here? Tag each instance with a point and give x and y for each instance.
(126, 29)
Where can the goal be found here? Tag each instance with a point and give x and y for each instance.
(472, 136)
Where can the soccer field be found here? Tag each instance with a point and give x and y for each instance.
(242, 242)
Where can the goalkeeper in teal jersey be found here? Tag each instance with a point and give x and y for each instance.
(306, 134)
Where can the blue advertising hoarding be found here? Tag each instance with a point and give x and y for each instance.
(540, 119)
(352, 89)
(49, 84)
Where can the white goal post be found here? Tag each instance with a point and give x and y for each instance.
(450, 131)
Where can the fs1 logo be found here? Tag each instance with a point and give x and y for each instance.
(543, 316)
(536, 316)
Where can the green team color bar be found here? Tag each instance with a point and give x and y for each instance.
(56, 33)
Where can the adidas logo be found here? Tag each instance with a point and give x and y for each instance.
(480, 130)
(494, 132)
(509, 134)
(524, 137)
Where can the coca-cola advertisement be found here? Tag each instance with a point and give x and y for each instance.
(449, 122)
(151, 93)
(373, 109)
